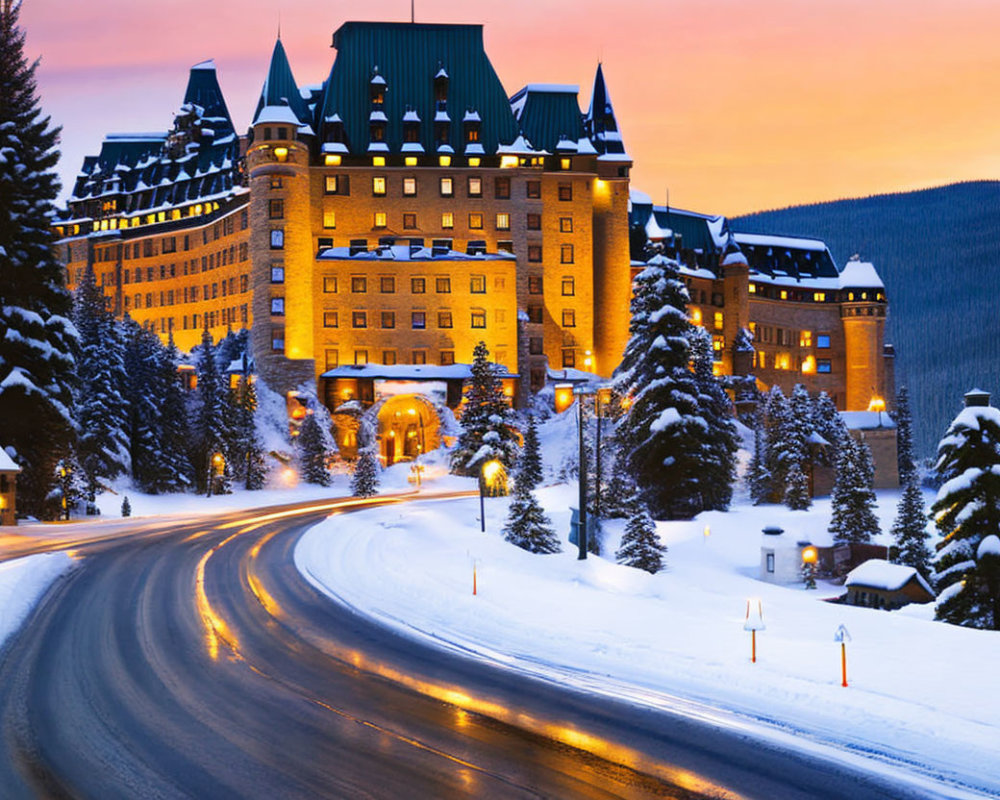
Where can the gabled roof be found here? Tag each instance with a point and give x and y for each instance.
(600, 122)
(203, 90)
(280, 88)
(877, 573)
(409, 56)
(548, 114)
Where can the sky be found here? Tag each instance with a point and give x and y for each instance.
(726, 106)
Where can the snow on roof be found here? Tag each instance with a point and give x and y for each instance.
(735, 257)
(795, 242)
(7, 463)
(555, 88)
(334, 147)
(639, 198)
(866, 420)
(520, 146)
(209, 64)
(860, 275)
(411, 372)
(572, 375)
(880, 574)
(411, 116)
(277, 115)
(471, 116)
(654, 231)
(151, 136)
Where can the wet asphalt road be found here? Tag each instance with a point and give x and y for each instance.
(191, 660)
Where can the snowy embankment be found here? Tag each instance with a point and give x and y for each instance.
(23, 581)
(922, 694)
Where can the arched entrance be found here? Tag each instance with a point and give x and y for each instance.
(407, 427)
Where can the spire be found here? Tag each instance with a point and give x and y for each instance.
(599, 122)
(280, 87)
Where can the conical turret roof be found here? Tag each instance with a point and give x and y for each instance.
(280, 87)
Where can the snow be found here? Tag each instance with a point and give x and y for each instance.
(990, 545)
(281, 115)
(668, 417)
(867, 420)
(23, 581)
(793, 242)
(7, 463)
(638, 198)
(408, 372)
(860, 275)
(553, 88)
(675, 639)
(880, 574)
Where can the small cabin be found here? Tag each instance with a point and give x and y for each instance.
(880, 584)
(8, 489)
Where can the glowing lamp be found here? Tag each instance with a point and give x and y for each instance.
(332, 160)
(876, 404)
(809, 365)
(298, 413)
(809, 555)
(281, 153)
(507, 162)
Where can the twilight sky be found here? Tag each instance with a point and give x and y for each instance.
(730, 105)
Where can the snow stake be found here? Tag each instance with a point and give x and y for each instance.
(473, 577)
(754, 622)
(843, 637)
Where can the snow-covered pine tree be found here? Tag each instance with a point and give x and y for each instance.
(487, 420)
(797, 496)
(68, 487)
(793, 449)
(777, 419)
(909, 531)
(615, 504)
(759, 479)
(529, 464)
(313, 454)
(527, 526)
(904, 436)
(718, 454)
(247, 445)
(37, 339)
(102, 406)
(663, 432)
(853, 499)
(174, 471)
(640, 546)
(829, 425)
(967, 512)
(210, 425)
(364, 481)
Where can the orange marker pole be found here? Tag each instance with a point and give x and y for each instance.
(843, 663)
(753, 647)
(473, 578)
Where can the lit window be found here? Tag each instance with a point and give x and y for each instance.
(378, 185)
(808, 365)
(378, 161)
(447, 187)
(476, 222)
(331, 319)
(823, 341)
(329, 219)
(478, 318)
(784, 294)
(410, 161)
(696, 316)
(332, 160)
(782, 361)
(506, 162)
(359, 319)
(805, 339)
(717, 320)
(380, 219)
(503, 222)
(418, 321)
(475, 187)
(444, 161)
(475, 161)
(565, 163)
(447, 220)
(820, 297)
(360, 357)
(477, 284)
(329, 284)
(409, 186)
(332, 359)
(752, 288)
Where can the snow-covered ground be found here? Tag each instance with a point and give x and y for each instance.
(921, 693)
(22, 583)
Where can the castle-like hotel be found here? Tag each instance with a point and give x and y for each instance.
(370, 230)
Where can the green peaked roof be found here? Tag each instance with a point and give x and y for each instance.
(203, 90)
(548, 113)
(408, 56)
(280, 88)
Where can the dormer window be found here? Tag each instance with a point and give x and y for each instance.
(378, 131)
(470, 126)
(411, 126)
(441, 87)
(376, 89)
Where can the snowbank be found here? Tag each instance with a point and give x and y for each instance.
(23, 581)
(679, 634)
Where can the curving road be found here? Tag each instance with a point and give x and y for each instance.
(192, 660)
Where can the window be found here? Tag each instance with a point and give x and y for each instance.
(819, 297)
(534, 314)
(276, 182)
(332, 359)
(360, 357)
(447, 358)
(359, 284)
(378, 186)
(277, 306)
(476, 222)
(419, 357)
(568, 286)
(823, 341)
(447, 221)
(387, 284)
(277, 339)
(533, 189)
(338, 184)
(823, 365)
(569, 358)
(569, 318)
(444, 319)
(503, 222)
(475, 187)
(566, 254)
(331, 319)
(505, 246)
(389, 357)
(565, 191)
(418, 321)
(501, 189)
(534, 284)
(805, 339)
(478, 318)
(565, 224)
(418, 285)
(535, 346)
(380, 220)
(442, 285)
(388, 319)
(717, 320)
(278, 275)
(329, 284)
(447, 187)
(477, 284)
(770, 562)
(534, 253)
(534, 222)
(277, 239)
(359, 319)
(276, 209)
(409, 221)
(329, 219)
(410, 187)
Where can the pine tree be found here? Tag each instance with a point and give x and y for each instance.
(364, 481)
(210, 426)
(720, 444)
(853, 499)
(797, 496)
(904, 437)
(909, 531)
(37, 340)
(663, 432)
(313, 454)
(68, 487)
(487, 420)
(792, 449)
(967, 513)
(527, 526)
(640, 546)
(829, 425)
(758, 475)
(529, 464)
(102, 407)
(615, 504)
(174, 471)
(126, 507)
(248, 450)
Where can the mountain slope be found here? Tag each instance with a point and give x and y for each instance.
(938, 252)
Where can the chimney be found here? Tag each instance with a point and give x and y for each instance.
(977, 397)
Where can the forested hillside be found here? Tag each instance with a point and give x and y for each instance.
(938, 251)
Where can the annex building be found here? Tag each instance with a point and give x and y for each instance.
(369, 230)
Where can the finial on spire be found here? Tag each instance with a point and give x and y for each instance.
(279, 24)
(413, 15)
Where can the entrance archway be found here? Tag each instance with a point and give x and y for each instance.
(408, 426)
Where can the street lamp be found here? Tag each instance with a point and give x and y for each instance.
(215, 467)
(809, 557)
(491, 474)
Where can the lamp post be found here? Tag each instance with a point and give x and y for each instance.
(489, 474)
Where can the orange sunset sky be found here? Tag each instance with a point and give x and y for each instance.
(730, 105)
